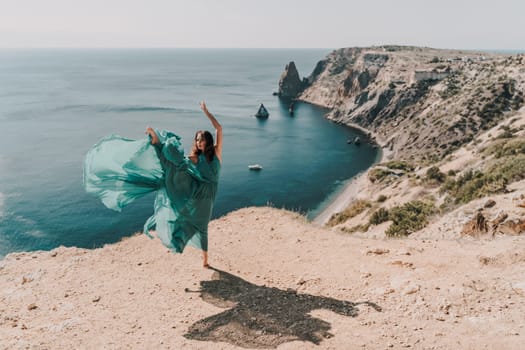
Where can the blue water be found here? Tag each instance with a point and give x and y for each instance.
(55, 104)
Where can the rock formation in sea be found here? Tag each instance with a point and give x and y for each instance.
(290, 84)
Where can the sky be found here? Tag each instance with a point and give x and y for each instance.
(455, 24)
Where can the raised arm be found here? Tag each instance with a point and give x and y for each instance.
(218, 130)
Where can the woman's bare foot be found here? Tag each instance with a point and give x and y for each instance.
(205, 260)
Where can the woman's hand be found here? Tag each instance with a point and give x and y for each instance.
(204, 108)
(218, 130)
(153, 135)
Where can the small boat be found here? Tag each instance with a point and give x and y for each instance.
(262, 112)
(255, 167)
(291, 109)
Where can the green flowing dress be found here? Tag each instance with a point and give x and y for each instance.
(120, 170)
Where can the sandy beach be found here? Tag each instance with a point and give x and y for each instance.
(355, 185)
(342, 200)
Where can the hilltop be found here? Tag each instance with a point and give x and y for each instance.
(280, 282)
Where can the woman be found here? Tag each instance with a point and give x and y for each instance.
(119, 170)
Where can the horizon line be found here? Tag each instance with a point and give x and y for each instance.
(515, 50)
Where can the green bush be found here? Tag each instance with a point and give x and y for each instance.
(379, 216)
(410, 217)
(507, 133)
(381, 198)
(434, 174)
(353, 229)
(511, 168)
(509, 148)
(399, 165)
(477, 184)
(378, 174)
(467, 187)
(354, 209)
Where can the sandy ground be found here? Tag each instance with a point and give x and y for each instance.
(278, 282)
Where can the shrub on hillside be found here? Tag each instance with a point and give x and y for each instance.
(353, 229)
(354, 209)
(381, 198)
(399, 165)
(477, 184)
(435, 175)
(408, 218)
(379, 216)
(509, 148)
(378, 174)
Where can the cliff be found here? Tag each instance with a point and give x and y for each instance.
(421, 103)
(452, 128)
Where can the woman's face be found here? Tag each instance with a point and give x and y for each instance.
(200, 141)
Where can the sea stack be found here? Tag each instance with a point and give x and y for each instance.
(290, 85)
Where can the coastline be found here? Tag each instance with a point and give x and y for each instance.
(341, 200)
(351, 189)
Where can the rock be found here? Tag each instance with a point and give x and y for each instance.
(476, 226)
(355, 82)
(490, 203)
(378, 251)
(498, 220)
(402, 263)
(411, 289)
(361, 98)
(511, 227)
(290, 85)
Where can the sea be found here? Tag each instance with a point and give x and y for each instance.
(55, 104)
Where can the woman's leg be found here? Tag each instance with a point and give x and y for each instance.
(205, 259)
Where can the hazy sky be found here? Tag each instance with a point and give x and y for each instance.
(468, 24)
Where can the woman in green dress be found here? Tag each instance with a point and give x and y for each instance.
(206, 156)
(119, 170)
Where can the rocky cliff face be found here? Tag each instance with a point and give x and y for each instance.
(421, 103)
(290, 84)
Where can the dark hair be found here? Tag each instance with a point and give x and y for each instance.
(209, 151)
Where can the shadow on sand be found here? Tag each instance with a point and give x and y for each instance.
(263, 317)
